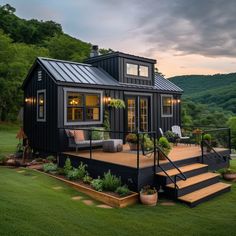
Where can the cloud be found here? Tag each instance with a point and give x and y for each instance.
(190, 27)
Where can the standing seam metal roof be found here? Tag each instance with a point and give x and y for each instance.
(66, 71)
(164, 84)
(74, 72)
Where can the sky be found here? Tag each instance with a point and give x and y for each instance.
(184, 36)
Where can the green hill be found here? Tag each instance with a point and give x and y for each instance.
(214, 90)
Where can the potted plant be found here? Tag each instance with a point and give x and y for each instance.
(148, 196)
(165, 146)
(132, 141)
(171, 137)
(229, 174)
(207, 139)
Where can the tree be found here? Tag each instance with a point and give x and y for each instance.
(67, 48)
(232, 125)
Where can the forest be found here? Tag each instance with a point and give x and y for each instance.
(207, 100)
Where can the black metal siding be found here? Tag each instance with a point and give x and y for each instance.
(41, 135)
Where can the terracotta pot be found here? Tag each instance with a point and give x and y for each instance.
(134, 146)
(149, 199)
(229, 176)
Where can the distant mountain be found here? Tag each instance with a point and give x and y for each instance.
(215, 90)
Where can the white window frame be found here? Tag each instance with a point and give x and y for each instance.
(168, 96)
(44, 105)
(100, 92)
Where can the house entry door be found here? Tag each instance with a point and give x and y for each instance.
(137, 113)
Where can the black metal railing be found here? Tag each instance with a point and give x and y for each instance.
(180, 174)
(218, 141)
(113, 134)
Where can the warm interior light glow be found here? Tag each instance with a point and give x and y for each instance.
(178, 100)
(41, 101)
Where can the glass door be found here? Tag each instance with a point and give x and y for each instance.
(143, 114)
(137, 115)
(131, 114)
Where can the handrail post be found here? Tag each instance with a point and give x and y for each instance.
(229, 137)
(90, 144)
(137, 133)
(155, 151)
(202, 147)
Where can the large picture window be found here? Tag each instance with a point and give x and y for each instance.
(41, 105)
(166, 105)
(83, 107)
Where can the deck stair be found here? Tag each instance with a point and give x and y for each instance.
(199, 186)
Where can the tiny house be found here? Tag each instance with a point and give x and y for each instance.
(63, 94)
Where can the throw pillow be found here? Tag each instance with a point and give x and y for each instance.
(78, 136)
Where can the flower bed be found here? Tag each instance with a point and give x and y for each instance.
(108, 189)
(108, 198)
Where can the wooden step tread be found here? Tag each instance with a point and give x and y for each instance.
(204, 192)
(193, 180)
(186, 168)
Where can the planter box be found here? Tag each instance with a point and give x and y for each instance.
(100, 196)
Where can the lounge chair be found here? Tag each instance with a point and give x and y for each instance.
(176, 129)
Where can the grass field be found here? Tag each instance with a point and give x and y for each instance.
(8, 141)
(32, 204)
(29, 205)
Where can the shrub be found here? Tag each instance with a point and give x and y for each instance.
(51, 159)
(39, 159)
(97, 184)
(82, 170)
(87, 179)
(72, 174)
(60, 171)
(148, 190)
(131, 138)
(171, 137)
(232, 125)
(164, 145)
(123, 190)
(111, 182)
(3, 159)
(97, 133)
(207, 137)
(49, 167)
(67, 166)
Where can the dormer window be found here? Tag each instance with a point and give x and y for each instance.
(137, 70)
(143, 71)
(132, 69)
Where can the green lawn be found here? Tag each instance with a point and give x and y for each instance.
(29, 205)
(8, 141)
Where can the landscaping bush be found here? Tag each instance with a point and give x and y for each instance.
(3, 159)
(97, 133)
(72, 174)
(87, 179)
(82, 170)
(51, 159)
(123, 190)
(39, 159)
(60, 171)
(164, 145)
(67, 166)
(207, 137)
(97, 184)
(49, 167)
(111, 182)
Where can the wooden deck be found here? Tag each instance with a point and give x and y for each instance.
(128, 158)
